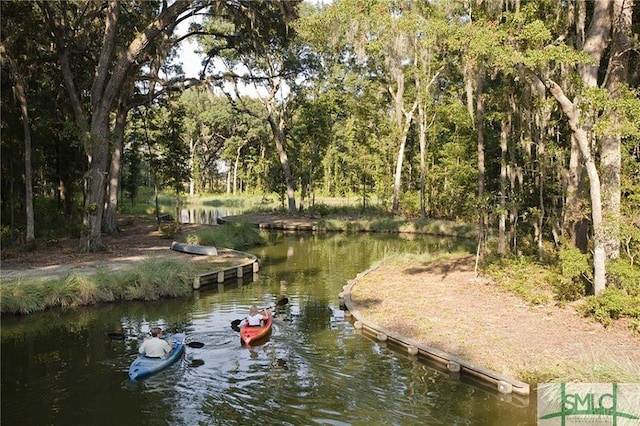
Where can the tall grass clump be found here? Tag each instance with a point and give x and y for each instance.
(235, 236)
(593, 369)
(153, 279)
(149, 280)
(23, 296)
(111, 283)
(60, 293)
(87, 290)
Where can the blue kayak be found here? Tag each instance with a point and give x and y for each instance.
(144, 366)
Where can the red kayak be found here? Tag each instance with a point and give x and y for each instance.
(250, 334)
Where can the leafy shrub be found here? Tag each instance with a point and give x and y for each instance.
(410, 204)
(575, 275)
(611, 304)
(625, 276)
(522, 276)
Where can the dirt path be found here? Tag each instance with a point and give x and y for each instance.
(131, 245)
(441, 305)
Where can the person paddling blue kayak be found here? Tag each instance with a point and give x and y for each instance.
(154, 355)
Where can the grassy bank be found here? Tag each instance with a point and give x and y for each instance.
(589, 369)
(563, 277)
(555, 283)
(477, 319)
(150, 279)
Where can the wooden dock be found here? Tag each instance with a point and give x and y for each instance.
(246, 269)
(247, 266)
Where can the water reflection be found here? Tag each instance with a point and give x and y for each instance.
(314, 368)
(203, 215)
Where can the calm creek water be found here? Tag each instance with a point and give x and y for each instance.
(59, 368)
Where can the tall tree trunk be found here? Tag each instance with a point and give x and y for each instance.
(542, 117)
(20, 94)
(398, 102)
(423, 128)
(468, 88)
(542, 181)
(236, 164)
(481, 164)
(513, 173)
(422, 120)
(110, 225)
(278, 135)
(403, 120)
(610, 154)
(575, 222)
(595, 44)
(502, 218)
(192, 156)
(97, 182)
(579, 132)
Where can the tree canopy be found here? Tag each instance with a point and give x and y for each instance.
(518, 116)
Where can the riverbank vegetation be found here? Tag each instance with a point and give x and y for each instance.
(554, 282)
(538, 341)
(235, 236)
(561, 277)
(149, 279)
(586, 370)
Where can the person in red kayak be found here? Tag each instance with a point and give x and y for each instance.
(255, 318)
(156, 346)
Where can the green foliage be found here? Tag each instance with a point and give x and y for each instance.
(353, 211)
(575, 274)
(535, 31)
(614, 115)
(630, 200)
(568, 282)
(522, 276)
(9, 236)
(23, 297)
(230, 235)
(611, 304)
(624, 276)
(410, 204)
(83, 290)
(318, 210)
(454, 180)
